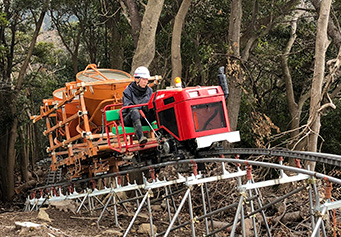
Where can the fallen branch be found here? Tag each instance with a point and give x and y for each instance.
(83, 218)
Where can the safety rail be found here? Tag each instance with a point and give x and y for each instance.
(128, 146)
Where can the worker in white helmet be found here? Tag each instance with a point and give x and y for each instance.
(137, 92)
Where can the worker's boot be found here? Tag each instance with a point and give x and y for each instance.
(139, 133)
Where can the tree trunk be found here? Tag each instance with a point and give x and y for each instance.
(319, 68)
(333, 30)
(116, 52)
(233, 69)
(135, 20)
(74, 57)
(295, 108)
(91, 44)
(36, 145)
(4, 167)
(145, 50)
(9, 161)
(23, 153)
(176, 39)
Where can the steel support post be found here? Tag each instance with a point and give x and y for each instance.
(242, 221)
(323, 229)
(317, 202)
(168, 206)
(253, 217)
(33, 206)
(122, 203)
(236, 217)
(281, 170)
(150, 216)
(173, 202)
(137, 212)
(191, 212)
(105, 208)
(115, 210)
(262, 211)
(317, 195)
(204, 207)
(27, 205)
(82, 203)
(91, 204)
(311, 204)
(99, 201)
(316, 231)
(209, 206)
(137, 200)
(177, 212)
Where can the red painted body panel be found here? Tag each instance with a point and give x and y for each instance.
(183, 100)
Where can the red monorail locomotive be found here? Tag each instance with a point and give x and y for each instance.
(187, 121)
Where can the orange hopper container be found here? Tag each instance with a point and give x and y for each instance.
(103, 87)
(71, 108)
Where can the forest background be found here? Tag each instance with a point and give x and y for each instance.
(282, 60)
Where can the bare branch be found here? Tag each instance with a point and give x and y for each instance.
(330, 104)
(125, 12)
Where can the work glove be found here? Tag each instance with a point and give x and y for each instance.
(145, 109)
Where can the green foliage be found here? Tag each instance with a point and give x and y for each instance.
(45, 53)
(204, 41)
(22, 5)
(330, 127)
(3, 20)
(3, 50)
(244, 127)
(44, 85)
(265, 77)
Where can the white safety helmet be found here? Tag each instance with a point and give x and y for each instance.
(142, 72)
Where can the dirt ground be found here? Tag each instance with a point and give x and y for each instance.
(63, 223)
(67, 223)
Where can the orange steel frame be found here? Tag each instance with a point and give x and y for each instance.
(88, 144)
(85, 145)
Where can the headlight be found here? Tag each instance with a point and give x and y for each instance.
(193, 94)
(212, 91)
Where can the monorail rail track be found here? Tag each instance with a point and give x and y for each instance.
(247, 189)
(325, 158)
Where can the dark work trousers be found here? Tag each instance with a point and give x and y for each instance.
(134, 115)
